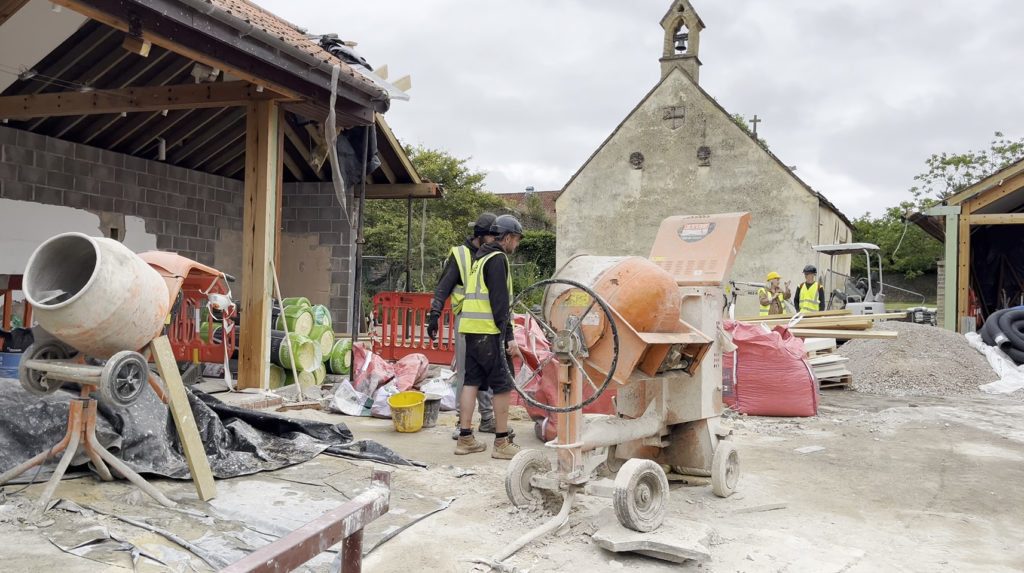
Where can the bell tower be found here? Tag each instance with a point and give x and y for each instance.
(682, 39)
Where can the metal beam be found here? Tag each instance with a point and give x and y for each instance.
(154, 98)
(949, 318)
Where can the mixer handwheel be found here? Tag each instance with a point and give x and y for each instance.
(641, 495)
(571, 340)
(33, 381)
(123, 379)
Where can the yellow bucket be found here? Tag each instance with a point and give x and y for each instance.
(407, 410)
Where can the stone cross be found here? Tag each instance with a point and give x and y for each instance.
(754, 121)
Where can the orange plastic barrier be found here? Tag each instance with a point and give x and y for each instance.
(401, 327)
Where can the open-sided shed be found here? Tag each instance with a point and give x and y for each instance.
(204, 118)
(983, 230)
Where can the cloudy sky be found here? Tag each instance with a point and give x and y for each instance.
(856, 94)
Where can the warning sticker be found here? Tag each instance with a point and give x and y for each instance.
(693, 232)
(578, 298)
(591, 319)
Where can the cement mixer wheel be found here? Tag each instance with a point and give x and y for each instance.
(520, 386)
(521, 468)
(640, 497)
(725, 469)
(33, 381)
(123, 379)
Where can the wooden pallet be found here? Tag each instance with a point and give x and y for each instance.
(840, 382)
(821, 352)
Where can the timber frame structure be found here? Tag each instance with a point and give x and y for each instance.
(982, 227)
(216, 86)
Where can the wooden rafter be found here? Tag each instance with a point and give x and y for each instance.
(229, 118)
(301, 145)
(403, 191)
(997, 191)
(191, 121)
(217, 149)
(231, 153)
(157, 98)
(67, 59)
(172, 73)
(124, 79)
(998, 219)
(9, 8)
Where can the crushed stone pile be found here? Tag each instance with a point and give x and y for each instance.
(923, 361)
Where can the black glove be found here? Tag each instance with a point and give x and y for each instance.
(432, 320)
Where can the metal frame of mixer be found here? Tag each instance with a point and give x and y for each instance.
(669, 385)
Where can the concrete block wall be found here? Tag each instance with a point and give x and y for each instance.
(313, 209)
(188, 211)
(184, 209)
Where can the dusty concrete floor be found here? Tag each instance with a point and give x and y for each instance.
(921, 484)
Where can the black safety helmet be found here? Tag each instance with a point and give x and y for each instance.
(506, 224)
(482, 225)
(810, 269)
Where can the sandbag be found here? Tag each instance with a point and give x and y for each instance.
(369, 371)
(772, 375)
(410, 370)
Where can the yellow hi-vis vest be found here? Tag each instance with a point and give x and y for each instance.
(476, 316)
(764, 308)
(809, 297)
(463, 259)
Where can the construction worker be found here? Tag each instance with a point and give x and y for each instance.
(809, 297)
(487, 324)
(453, 281)
(771, 296)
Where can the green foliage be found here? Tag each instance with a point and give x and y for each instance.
(535, 210)
(905, 247)
(740, 121)
(447, 219)
(538, 247)
(948, 173)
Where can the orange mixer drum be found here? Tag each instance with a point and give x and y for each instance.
(642, 293)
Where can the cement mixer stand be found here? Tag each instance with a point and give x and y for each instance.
(645, 326)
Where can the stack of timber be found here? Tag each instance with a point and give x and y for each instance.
(828, 365)
(837, 324)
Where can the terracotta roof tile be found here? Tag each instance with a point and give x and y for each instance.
(281, 28)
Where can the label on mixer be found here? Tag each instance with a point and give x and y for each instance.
(693, 232)
(591, 319)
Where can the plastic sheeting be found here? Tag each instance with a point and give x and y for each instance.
(773, 377)
(238, 441)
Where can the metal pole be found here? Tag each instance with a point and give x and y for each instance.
(357, 291)
(408, 244)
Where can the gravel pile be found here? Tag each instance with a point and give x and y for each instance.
(923, 361)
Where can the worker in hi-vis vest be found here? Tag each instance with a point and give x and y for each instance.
(772, 296)
(487, 323)
(809, 296)
(453, 283)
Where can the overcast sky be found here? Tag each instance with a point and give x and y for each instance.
(856, 94)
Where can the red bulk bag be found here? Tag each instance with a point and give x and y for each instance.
(773, 377)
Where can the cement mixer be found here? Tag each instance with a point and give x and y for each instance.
(650, 329)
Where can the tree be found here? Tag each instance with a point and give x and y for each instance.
(948, 173)
(907, 248)
(447, 220)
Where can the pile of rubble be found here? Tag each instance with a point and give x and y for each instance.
(923, 361)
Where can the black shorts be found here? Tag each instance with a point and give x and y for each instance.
(484, 356)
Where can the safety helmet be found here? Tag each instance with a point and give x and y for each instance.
(811, 269)
(482, 225)
(506, 224)
(773, 275)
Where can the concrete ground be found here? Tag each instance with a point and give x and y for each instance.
(919, 484)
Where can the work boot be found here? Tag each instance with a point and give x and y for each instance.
(504, 449)
(490, 426)
(469, 445)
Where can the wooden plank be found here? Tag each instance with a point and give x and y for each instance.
(998, 219)
(403, 191)
(842, 312)
(963, 266)
(262, 165)
(827, 359)
(136, 99)
(184, 420)
(845, 334)
(992, 188)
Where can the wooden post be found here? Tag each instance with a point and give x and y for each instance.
(262, 165)
(963, 267)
